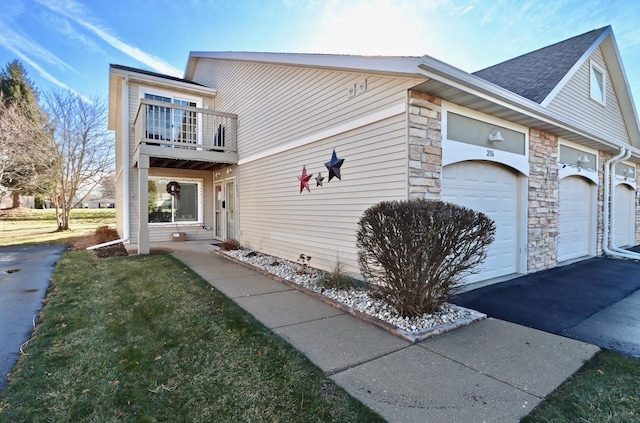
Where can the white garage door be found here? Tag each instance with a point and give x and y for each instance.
(493, 190)
(575, 221)
(624, 216)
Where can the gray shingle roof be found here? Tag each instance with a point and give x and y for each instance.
(154, 74)
(534, 75)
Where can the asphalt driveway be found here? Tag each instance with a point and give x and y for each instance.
(596, 301)
(25, 273)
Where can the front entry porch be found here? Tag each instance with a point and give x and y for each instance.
(179, 148)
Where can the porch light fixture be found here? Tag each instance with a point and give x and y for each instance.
(495, 135)
(628, 172)
(583, 160)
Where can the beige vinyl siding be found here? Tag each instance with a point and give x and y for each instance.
(282, 106)
(277, 219)
(120, 181)
(278, 104)
(575, 102)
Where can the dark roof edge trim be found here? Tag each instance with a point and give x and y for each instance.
(158, 78)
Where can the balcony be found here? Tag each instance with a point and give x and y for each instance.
(183, 137)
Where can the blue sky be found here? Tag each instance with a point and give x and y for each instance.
(68, 44)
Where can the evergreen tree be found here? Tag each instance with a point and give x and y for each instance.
(26, 145)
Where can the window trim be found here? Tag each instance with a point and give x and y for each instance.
(199, 221)
(593, 66)
(175, 96)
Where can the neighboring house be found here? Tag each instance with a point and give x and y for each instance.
(98, 203)
(528, 141)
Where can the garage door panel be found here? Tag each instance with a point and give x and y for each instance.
(624, 216)
(575, 221)
(493, 190)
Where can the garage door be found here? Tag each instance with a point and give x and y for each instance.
(493, 190)
(575, 221)
(624, 216)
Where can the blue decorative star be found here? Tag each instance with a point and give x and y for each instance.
(304, 179)
(334, 166)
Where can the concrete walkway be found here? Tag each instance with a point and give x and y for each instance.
(490, 371)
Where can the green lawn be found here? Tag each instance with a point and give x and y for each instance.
(143, 338)
(30, 226)
(117, 344)
(606, 389)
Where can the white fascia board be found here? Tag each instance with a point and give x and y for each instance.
(154, 80)
(457, 78)
(619, 77)
(397, 65)
(587, 54)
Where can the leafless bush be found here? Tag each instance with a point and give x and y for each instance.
(231, 244)
(105, 234)
(414, 254)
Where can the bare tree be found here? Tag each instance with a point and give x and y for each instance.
(26, 151)
(84, 148)
(108, 188)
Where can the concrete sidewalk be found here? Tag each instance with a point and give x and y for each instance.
(489, 371)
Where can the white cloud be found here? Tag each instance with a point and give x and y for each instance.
(77, 13)
(46, 75)
(16, 42)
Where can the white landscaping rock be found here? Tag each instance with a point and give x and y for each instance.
(357, 299)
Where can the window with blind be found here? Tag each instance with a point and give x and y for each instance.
(183, 207)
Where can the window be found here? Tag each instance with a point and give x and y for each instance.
(598, 83)
(184, 207)
(171, 124)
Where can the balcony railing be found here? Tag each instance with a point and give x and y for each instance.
(206, 134)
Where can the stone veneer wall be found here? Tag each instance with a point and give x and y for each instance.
(542, 222)
(602, 159)
(425, 146)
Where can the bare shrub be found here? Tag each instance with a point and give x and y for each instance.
(105, 234)
(414, 254)
(231, 244)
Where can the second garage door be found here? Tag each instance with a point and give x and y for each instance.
(624, 216)
(575, 220)
(493, 190)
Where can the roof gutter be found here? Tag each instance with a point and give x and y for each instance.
(457, 78)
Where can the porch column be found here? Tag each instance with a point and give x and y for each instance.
(143, 204)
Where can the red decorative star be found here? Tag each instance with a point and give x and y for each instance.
(304, 179)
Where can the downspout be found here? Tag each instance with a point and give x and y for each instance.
(612, 193)
(607, 212)
(125, 170)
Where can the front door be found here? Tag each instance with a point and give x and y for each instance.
(230, 208)
(225, 209)
(218, 203)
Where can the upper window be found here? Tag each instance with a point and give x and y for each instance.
(598, 83)
(184, 206)
(171, 123)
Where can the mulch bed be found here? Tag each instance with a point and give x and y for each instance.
(100, 236)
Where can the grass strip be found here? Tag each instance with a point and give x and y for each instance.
(39, 227)
(605, 390)
(143, 338)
